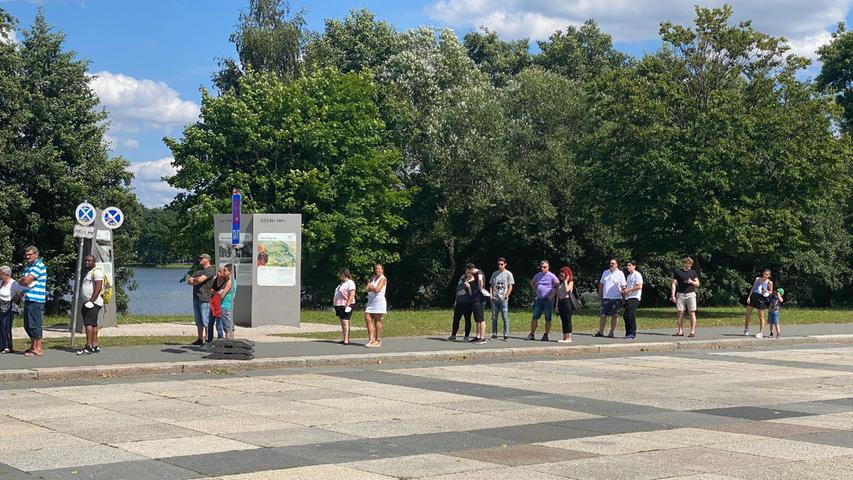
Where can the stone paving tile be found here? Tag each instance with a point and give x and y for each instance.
(141, 470)
(350, 451)
(314, 472)
(417, 466)
(612, 468)
(610, 425)
(17, 443)
(518, 473)
(237, 462)
(447, 442)
(838, 438)
(807, 470)
(518, 455)
(702, 459)
(817, 408)
(13, 426)
(65, 456)
(535, 433)
(384, 428)
(838, 421)
(751, 413)
(133, 433)
(473, 404)
(682, 419)
(173, 447)
(785, 449)
(220, 424)
(767, 429)
(288, 437)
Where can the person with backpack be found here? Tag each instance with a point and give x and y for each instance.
(91, 287)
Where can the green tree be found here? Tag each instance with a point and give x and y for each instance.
(836, 73)
(156, 245)
(357, 43)
(53, 156)
(500, 60)
(311, 146)
(269, 38)
(580, 53)
(712, 147)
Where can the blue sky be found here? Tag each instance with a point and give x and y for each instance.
(153, 56)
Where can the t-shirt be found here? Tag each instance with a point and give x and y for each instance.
(9, 290)
(545, 283)
(500, 283)
(477, 285)
(227, 299)
(37, 290)
(681, 276)
(632, 281)
(341, 298)
(202, 290)
(775, 304)
(462, 294)
(611, 284)
(87, 288)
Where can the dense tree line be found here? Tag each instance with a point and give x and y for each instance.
(426, 151)
(53, 156)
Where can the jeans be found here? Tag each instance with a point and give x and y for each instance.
(501, 306)
(201, 312)
(564, 308)
(210, 322)
(630, 316)
(33, 319)
(460, 310)
(6, 329)
(543, 305)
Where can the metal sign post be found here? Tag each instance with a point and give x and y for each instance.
(236, 207)
(85, 216)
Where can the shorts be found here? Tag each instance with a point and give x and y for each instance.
(773, 318)
(33, 319)
(610, 306)
(478, 309)
(340, 313)
(685, 301)
(201, 312)
(543, 306)
(90, 315)
(226, 317)
(758, 301)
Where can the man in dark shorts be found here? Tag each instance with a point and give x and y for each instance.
(90, 294)
(476, 286)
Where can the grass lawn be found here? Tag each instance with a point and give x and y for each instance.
(413, 323)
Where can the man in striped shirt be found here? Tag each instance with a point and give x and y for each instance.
(35, 281)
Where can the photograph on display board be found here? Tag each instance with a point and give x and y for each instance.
(276, 259)
(241, 255)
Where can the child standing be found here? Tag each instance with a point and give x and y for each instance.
(775, 311)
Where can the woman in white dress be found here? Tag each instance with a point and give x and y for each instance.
(376, 307)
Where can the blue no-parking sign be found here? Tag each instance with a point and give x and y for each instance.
(236, 201)
(85, 214)
(112, 217)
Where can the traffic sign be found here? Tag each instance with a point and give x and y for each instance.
(112, 217)
(82, 231)
(85, 214)
(236, 201)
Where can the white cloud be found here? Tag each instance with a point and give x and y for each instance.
(9, 36)
(113, 142)
(148, 182)
(804, 24)
(135, 104)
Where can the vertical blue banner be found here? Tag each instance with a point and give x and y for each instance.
(236, 200)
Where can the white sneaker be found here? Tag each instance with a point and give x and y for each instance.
(746, 332)
(565, 340)
(759, 335)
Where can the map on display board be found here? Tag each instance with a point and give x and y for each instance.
(276, 259)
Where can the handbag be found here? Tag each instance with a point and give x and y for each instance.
(577, 301)
(5, 307)
(215, 305)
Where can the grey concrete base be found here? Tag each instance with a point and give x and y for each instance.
(381, 358)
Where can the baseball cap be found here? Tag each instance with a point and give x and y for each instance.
(781, 291)
(204, 255)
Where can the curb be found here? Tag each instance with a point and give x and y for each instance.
(227, 366)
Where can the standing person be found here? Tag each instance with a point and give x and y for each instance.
(10, 294)
(759, 299)
(90, 294)
(344, 301)
(201, 280)
(476, 285)
(564, 302)
(500, 288)
(776, 300)
(215, 315)
(545, 285)
(462, 306)
(632, 292)
(35, 282)
(610, 293)
(685, 281)
(226, 305)
(376, 306)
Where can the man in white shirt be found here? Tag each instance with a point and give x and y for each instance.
(632, 292)
(610, 293)
(90, 294)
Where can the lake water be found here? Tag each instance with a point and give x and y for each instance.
(160, 292)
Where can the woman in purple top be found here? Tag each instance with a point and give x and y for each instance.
(545, 285)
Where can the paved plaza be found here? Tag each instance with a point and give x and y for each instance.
(775, 413)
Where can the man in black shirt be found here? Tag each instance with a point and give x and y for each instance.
(684, 284)
(201, 280)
